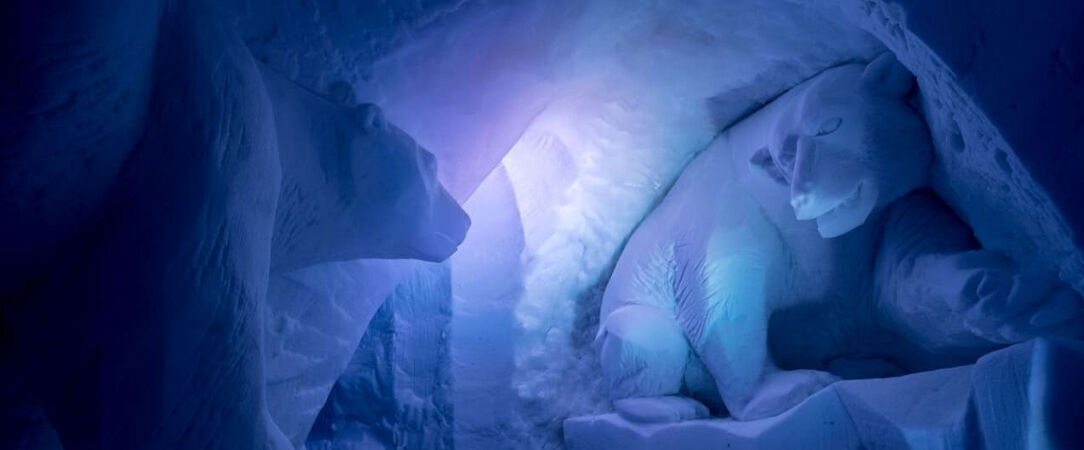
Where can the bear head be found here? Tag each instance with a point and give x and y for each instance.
(848, 143)
(355, 186)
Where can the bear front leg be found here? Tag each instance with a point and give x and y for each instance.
(735, 351)
(939, 289)
(643, 354)
(724, 307)
(1003, 304)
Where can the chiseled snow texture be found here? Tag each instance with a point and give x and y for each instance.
(1029, 396)
(1024, 396)
(820, 423)
(396, 391)
(314, 319)
(928, 410)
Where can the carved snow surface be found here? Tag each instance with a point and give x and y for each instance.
(796, 250)
(1024, 396)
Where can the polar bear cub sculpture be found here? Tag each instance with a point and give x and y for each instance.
(798, 248)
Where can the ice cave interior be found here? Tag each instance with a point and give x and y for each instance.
(541, 224)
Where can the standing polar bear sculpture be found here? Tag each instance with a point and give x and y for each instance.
(155, 305)
(799, 249)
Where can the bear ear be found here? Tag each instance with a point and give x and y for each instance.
(885, 74)
(370, 117)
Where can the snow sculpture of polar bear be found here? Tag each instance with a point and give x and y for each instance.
(354, 186)
(233, 174)
(797, 249)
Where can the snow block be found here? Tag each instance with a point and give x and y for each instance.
(924, 410)
(395, 391)
(820, 422)
(1021, 397)
(315, 317)
(1030, 396)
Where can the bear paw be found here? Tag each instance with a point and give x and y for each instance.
(663, 409)
(1004, 305)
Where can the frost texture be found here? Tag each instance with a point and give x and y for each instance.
(395, 392)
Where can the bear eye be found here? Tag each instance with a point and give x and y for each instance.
(829, 126)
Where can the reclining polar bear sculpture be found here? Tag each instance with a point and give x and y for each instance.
(799, 248)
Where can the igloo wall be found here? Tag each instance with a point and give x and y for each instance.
(191, 259)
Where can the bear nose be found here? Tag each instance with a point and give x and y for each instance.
(799, 201)
(803, 205)
(449, 228)
(800, 188)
